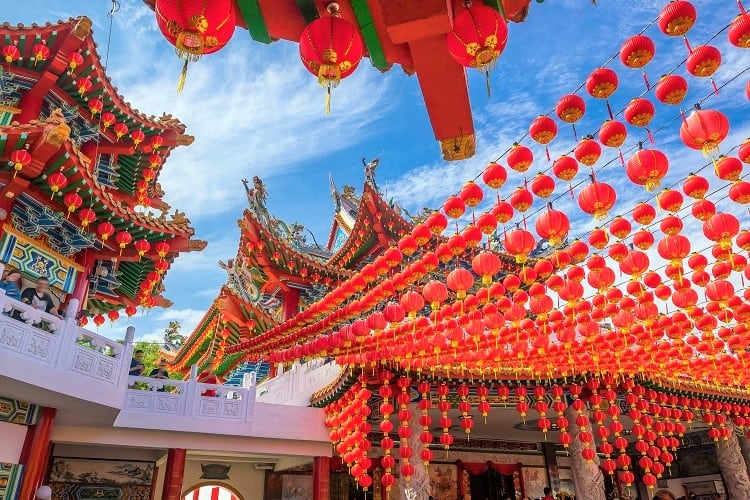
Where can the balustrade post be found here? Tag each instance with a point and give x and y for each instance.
(191, 392)
(126, 354)
(68, 334)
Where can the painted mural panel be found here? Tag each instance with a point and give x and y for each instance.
(93, 471)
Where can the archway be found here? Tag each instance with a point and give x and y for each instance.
(211, 491)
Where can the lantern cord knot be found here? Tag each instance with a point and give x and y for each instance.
(333, 9)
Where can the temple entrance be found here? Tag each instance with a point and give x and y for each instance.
(491, 485)
(211, 492)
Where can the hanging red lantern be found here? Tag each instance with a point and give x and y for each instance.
(597, 199)
(677, 17)
(519, 243)
(570, 108)
(494, 175)
(40, 52)
(108, 119)
(113, 315)
(613, 133)
(99, 320)
(331, 49)
(743, 153)
(543, 129)
(131, 311)
(739, 31)
(740, 192)
(671, 89)
(521, 199)
(142, 246)
(120, 130)
(644, 214)
(695, 186)
(486, 264)
(72, 201)
(670, 200)
(471, 194)
(95, 106)
(460, 281)
(137, 136)
(123, 238)
(57, 181)
(20, 158)
(647, 167)
(86, 216)
(553, 226)
(542, 185)
(703, 61)
(105, 230)
(639, 112)
(454, 207)
(601, 83)
(520, 158)
(637, 51)
(728, 168)
(704, 129)
(620, 227)
(83, 85)
(161, 248)
(195, 27)
(75, 59)
(11, 54)
(156, 142)
(721, 228)
(588, 151)
(565, 168)
(703, 210)
(478, 38)
(502, 212)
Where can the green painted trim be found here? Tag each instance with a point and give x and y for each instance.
(370, 34)
(308, 10)
(253, 17)
(57, 164)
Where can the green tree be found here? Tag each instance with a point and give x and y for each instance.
(150, 354)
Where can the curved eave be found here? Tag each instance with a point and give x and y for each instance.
(252, 231)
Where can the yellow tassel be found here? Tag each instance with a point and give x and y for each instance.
(328, 100)
(183, 77)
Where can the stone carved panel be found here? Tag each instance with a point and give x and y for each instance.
(208, 408)
(137, 402)
(38, 347)
(165, 403)
(231, 409)
(11, 338)
(83, 362)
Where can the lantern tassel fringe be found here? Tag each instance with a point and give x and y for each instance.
(183, 77)
(328, 101)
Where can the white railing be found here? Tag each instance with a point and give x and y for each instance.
(297, 385)
(189, 398)
(61, 343)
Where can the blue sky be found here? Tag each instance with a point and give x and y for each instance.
(256, 111)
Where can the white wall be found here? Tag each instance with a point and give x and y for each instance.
(244, 478)
(12, 437)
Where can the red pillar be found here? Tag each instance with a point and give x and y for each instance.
(321, 478)
(173, 474)
(81, 289)
(35, 454)
(290, 307)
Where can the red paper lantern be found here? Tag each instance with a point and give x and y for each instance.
(644, 214)
(743, 153)
(130, 311)
(161, 248)
(123, 238)
(543, 129)
(553, 226)
(739, 31)
(138, 136)
(597, 199)
(542, 185)
(486, 264)
(601, 83)
(521, 199)
(10, 54)
(454, 207)
(639, 112)
(195, 27)
(671, 89)
(86, 216)
(570, 108)
(471, 194)
(704, 129)
(105, 230)
(637, 51)
(728, 168)
(40, 52)
(120, 130)
(72, 201)
(142, 246)
(478, 38)
(83, 85)
(460, 280)
(613, 133)
(677, 17)
(502, 212)
(695, 186)
(721, 228)
(95, 106)
(740, 192)
(519, 243)
(57, 181)
(494, 175)
(588, 151)
(108, 119)
(520, 158)
(565, 168)
(647, 167)
(75, 59)
(703, 61)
